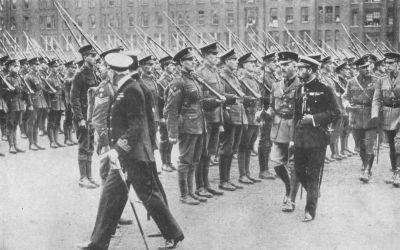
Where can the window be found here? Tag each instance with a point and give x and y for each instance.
(251, 17)
(78, 19)
(145, 19)
(354, 18)
(337, 14)
(215, 18)
(131, 20)
(25, 23)
(159, 18)
(289, 15)
(14, 4)
(328, 14)
(92, 21)
(274, 35)
(304, 15)
(230, 16)
(390, 14)
(92, 3)
(337, 38)
(111, 20)
(201, 17)
(320, 14)
(328, 37)
(373, 18)
(78, 4)
(26, 4)
(273, 17)
(1, 23)
(160, 38)
(13, 23)
(181, 20)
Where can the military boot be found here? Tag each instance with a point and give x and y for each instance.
(50, 134)
(183, 186)
(55, 134)
(190, 182)
(83, 180)
(12, 149)
(16, 145)
(282, 173)
(89, 174)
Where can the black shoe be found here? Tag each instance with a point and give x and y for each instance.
(171, 244)
(253, 179)
(226, 186)
(215, 192)
(33, 147)
(12, 150)
(245, 180)
(2, 155)
(19, 150)
(235, 185)
(203, 193)
(60, 145)
(39, 147)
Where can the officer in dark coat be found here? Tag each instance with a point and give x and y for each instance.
(84, 79)
(57, 105)
(315, 108)
(131, 126)
(15, 103)
(165, 147)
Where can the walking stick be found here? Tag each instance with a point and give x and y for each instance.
(130, 201)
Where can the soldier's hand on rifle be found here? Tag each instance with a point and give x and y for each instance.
(307, 119)
(112, 156)
(82, 123)
(172, 140)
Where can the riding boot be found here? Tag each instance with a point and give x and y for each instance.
(282, 173)
(190, 180)
(55, 134)
(183, 170)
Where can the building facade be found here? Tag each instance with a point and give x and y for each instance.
(201, 20)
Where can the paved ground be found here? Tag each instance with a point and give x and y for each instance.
(42, 207)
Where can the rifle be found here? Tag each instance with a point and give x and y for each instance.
(4, 47)
(374, 44)
(321, 50)
(119, 37)
(351, 40)
(30, 46)
(52, 89)
(208, 87)
(301, 49)
(87, 38)
(9, 86)
(26, 84)
(9, 44)
(253, 93)
(15, 42)
(146, 44)
(237, 91)
(159, 46)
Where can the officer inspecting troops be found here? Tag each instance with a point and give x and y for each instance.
(165, 147)
(84, 78)
(357, 100)
(281, 109)
(131, 115)
(315, 108)
(386, 110)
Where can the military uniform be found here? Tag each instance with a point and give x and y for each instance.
(68, 121)
(235, 119)
(131, 115)
(165, 147)
(358, 100)
(150, 82)
(250, 133)
(281, 109)
(214, 121)
(84, 79)
(386, 108)
(311, 139)
(186, 122)
(39, 105)
(346, 130)
(16, 104)
(57, 107)
(3, 106)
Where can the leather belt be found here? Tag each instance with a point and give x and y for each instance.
(392, 105)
